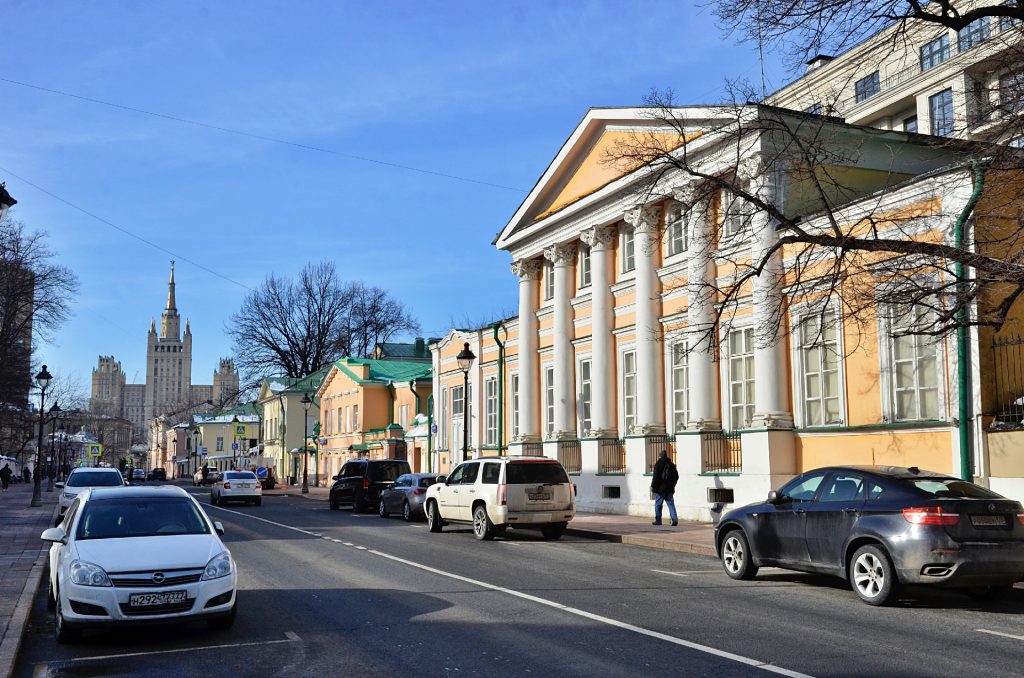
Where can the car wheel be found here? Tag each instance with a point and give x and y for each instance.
(334, 505)
(64, 632)
(225, 622)
(51, 601)
(483, 528)
(259, 501)
(736, 558)
(872, 575)
(433, 517)
(406, 512)
(990, 594)
(553, 531)
(382, 510)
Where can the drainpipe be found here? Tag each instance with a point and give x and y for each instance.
(501, 385)
(412, 387)
(430, 433)
(962, 338)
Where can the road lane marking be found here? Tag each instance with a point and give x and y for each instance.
(687, 573)
(290, 637)
(1000, 633)
(706, 649)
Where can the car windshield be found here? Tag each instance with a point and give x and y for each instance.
(954, 488)
(140, 517)
(95, 479)
(241, 475)
(388, 470)
(427, 482)
(522, 473)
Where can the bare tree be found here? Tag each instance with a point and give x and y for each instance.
(295, 327)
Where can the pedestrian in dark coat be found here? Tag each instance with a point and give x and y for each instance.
(663, 484)
(5, 477)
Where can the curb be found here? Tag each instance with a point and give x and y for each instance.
(649, 542)
(22, 611)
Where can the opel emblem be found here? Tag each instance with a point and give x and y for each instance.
(158, 577)
(991, 508)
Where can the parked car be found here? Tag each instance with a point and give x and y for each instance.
(136, 555)
(268, 480)
(157, 474)
(84, 477)
(241, 486)
(406, 495)
(360, 481)
(880, 527)
(495, 493)
(210, 479)
(138, 475)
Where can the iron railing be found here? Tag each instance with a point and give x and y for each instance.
(532, 449)
(611, 455)
(1008, 368)
(654, 445)
(723, 452)
(570, 455)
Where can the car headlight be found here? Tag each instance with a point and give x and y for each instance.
(87, 574)
(219, 566)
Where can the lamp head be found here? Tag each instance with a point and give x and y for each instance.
(55, 409)
(465, 358)
(44, 378)
(306, 402)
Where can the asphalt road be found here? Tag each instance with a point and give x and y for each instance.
(335, 594)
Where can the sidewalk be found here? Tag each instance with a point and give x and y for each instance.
(689, 537)
(22, 560)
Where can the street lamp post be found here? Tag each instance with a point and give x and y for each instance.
(306, 402)
(316, 443)
(60, 451)
(51, 467)
(465, 360)
(43, 379)
(234, 440)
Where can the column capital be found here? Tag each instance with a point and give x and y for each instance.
(598, 237)
(643, 218)
(526, 269)
(560, 255)
(750, 167)
(689, 194)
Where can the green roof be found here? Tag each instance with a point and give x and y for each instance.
(385, 371)
(307, 384)
(394, 349)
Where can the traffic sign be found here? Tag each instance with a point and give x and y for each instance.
(234, 446)
(240, 430)
(203, 451)
(433, 429)
(95, 450)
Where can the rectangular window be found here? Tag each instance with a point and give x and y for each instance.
(915, 369)
(457, 402)
(348, 419)
(819, 368)
(549, 281)
(340, 423)
(734, 217)
(584, 266)
(867, 87)
(940, 108)
(814, 109)
(491, 412)
(628, 391)
(741, 378)
(680, 387)
(934, 52)
(585, 397)
(355, 417)
(973, 34)
(910, 124)
(443, 428)
(675, 231)
(220, 443)
(1011, 93)
(549, 400)
(628, 253)
(515, 405)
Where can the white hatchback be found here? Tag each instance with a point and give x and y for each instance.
(133, 555)
(236, 486)
(85, 477)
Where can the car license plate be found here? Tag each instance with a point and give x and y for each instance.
(988, 521)
(150, 599)
(539, 496)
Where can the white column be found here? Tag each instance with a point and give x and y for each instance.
(650, 418)
(771, 371)
(528, 271)
(700, 313)
(602, 363)
(563, 256)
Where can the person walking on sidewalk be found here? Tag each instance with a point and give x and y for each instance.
(663, 484)
(5, 476)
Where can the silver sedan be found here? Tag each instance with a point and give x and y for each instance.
(406, 495)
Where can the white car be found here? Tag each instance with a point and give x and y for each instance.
(85, 477)
(134, 554)
(241, 486)
(495, 493)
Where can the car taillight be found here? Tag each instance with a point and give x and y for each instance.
(366, 482)
(419, 490)
(502, 501)
(930, 515)
(227, 485)
(1020, 518)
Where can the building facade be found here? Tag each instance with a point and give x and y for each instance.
(285, 420)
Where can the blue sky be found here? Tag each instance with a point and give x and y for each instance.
(487, 91)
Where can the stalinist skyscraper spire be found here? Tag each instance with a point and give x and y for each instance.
(170, 321)
(168, 361)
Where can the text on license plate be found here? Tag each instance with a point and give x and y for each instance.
(988, 520)
(163, 598)
(539, 496)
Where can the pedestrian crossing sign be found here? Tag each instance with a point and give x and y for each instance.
(240, 430)
(95, 450)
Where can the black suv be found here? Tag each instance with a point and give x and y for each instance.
(360, 481)
(157, 474)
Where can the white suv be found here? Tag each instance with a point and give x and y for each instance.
(494, 493)
(82, 478)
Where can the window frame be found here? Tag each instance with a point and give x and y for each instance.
(933, 119)
(585, 389)
(672, 351)
(887, 353)
(627, 242)
(549, 281)
(867, 87)
(626, 420)
(727, 379)
(514, 384)
(934, 52)
(586, 272)
(676, 240)
(974, 34)
(491, 411)
(798, 317)
(549, 400)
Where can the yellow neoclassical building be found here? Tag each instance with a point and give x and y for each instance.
(617, 354)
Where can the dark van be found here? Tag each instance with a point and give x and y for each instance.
(360, 481)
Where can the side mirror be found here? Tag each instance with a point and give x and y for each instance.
(54, 534)
(218, 527)
(58, 484)
(773, 497)
(337, 477)
(442, 480)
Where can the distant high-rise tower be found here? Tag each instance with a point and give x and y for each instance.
(107, 387)
(168, 361)
(225, 384)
